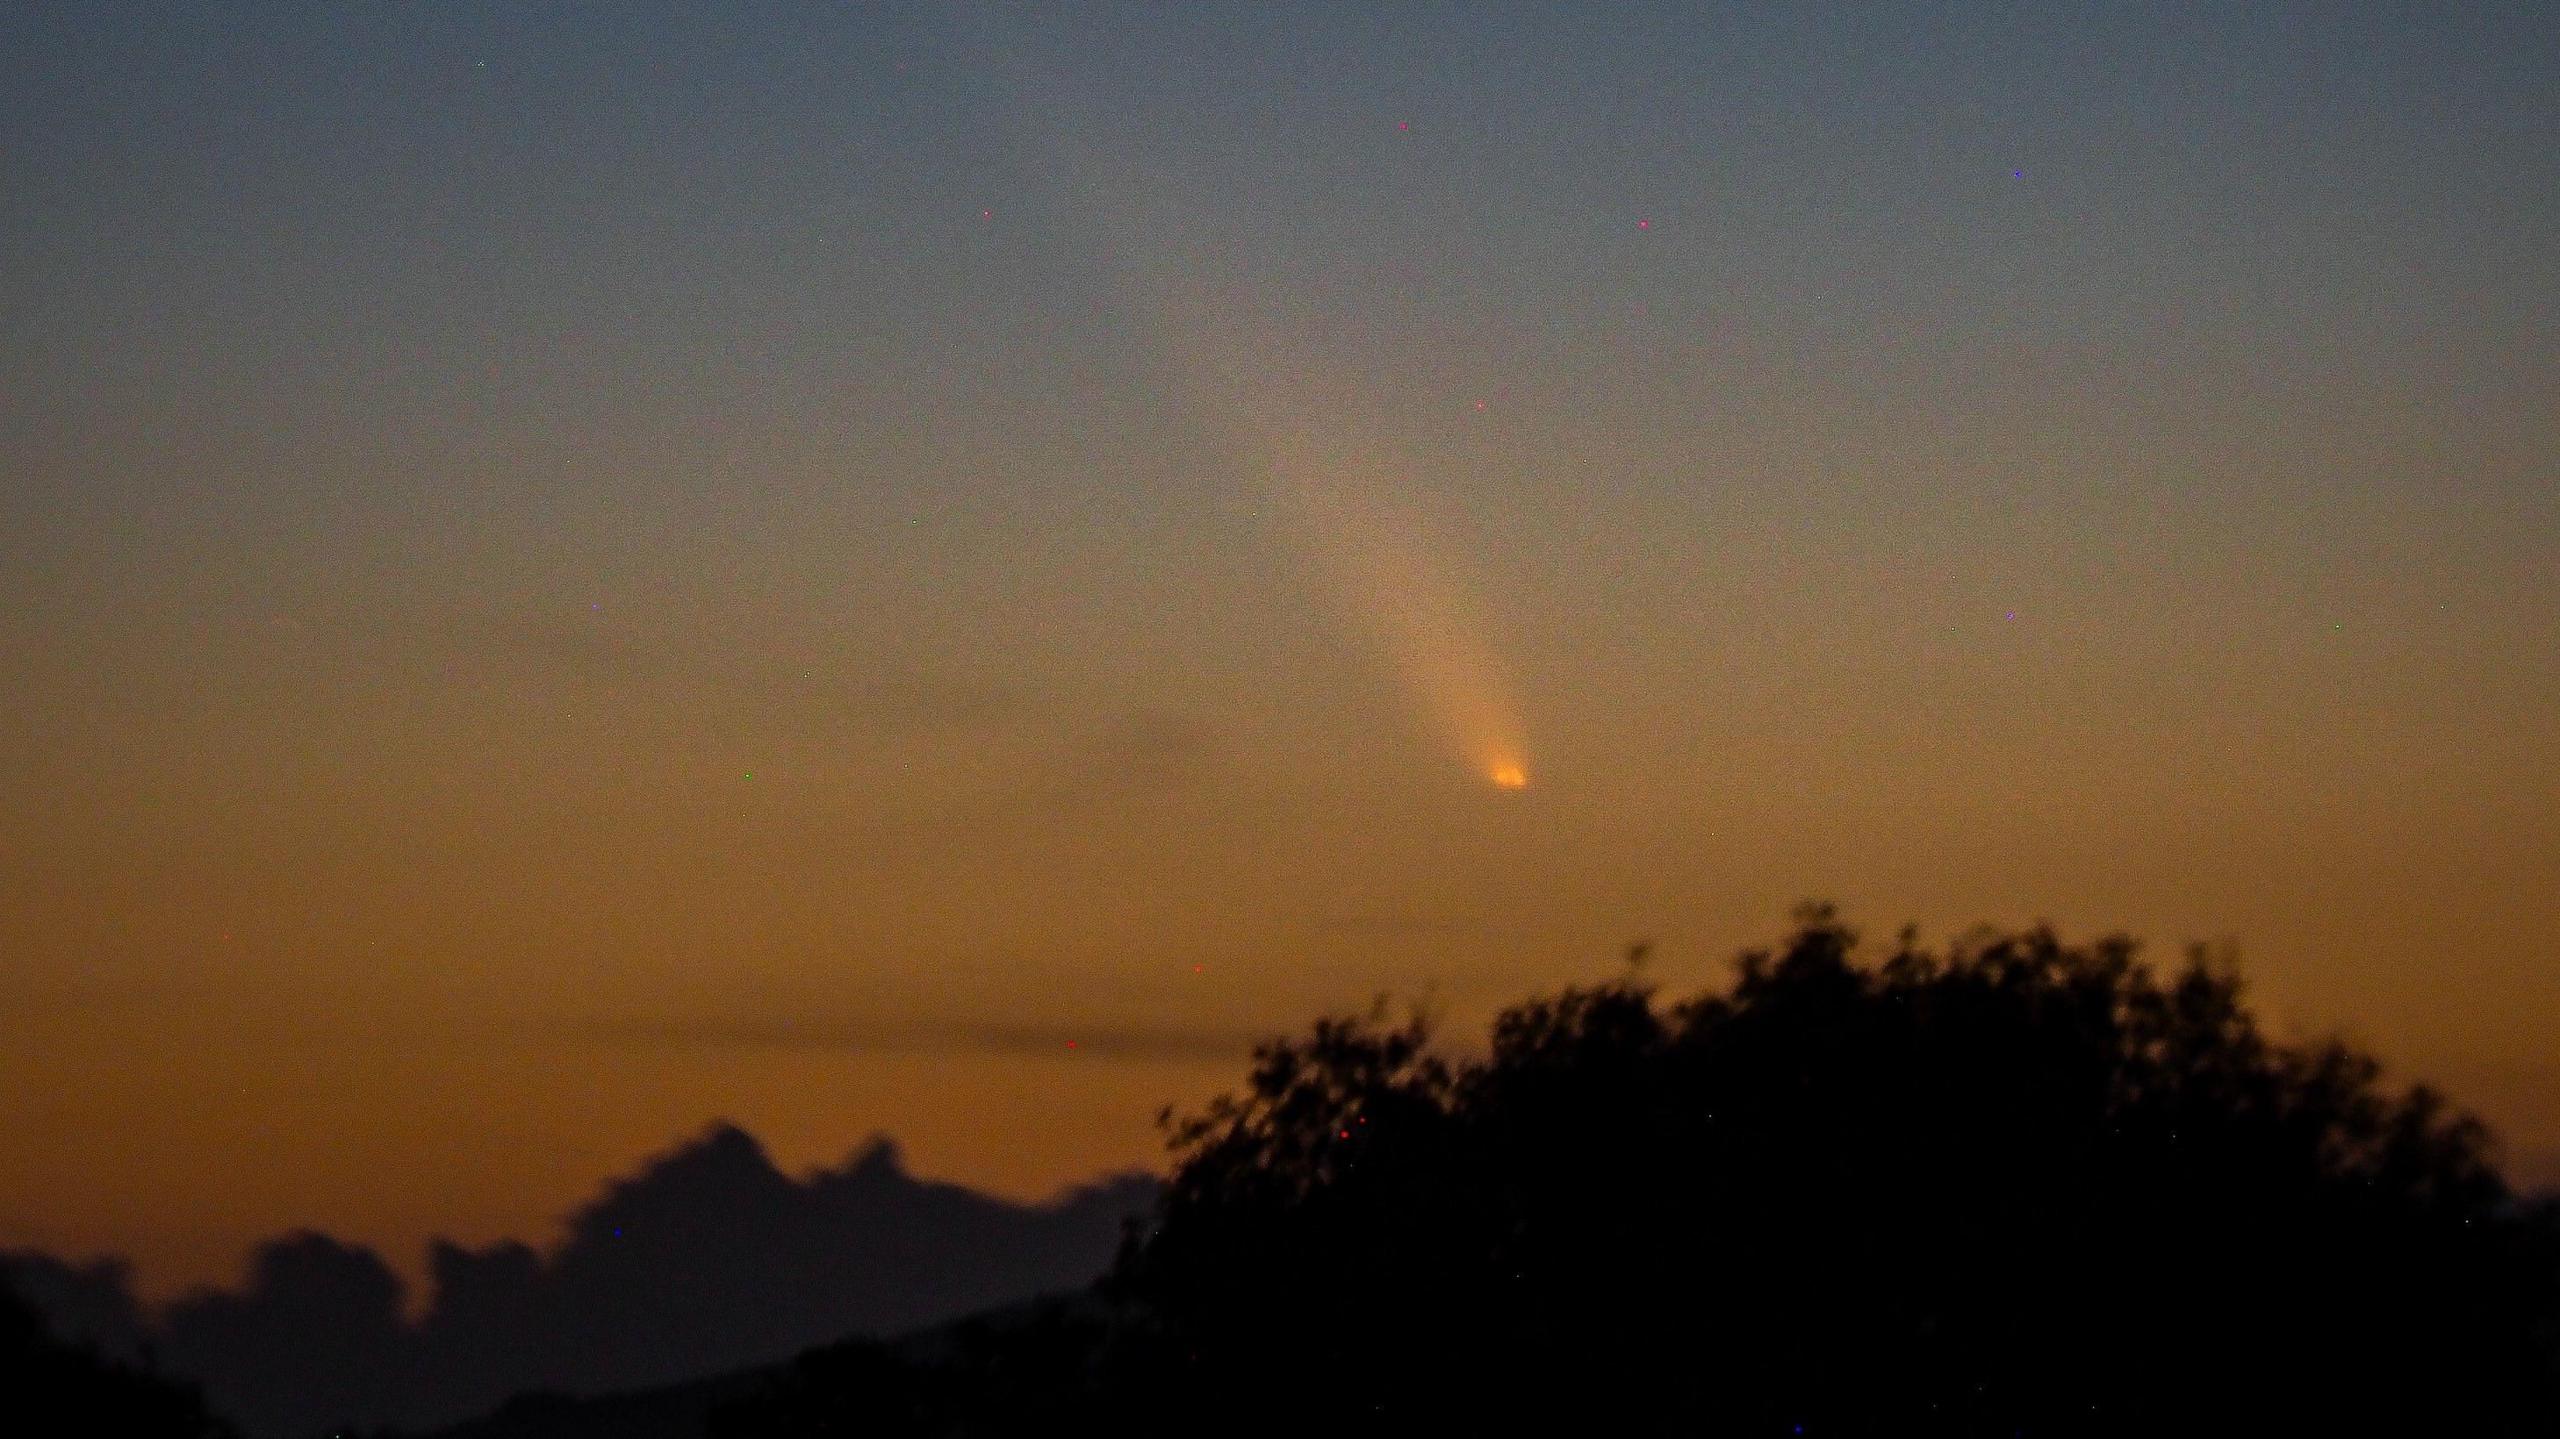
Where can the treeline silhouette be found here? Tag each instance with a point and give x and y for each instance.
(2017, 1187)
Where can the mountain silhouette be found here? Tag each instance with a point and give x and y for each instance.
(707, 1259)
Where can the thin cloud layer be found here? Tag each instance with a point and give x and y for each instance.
(881, 1036)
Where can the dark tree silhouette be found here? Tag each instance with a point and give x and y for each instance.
(2017, 1188)
(2021, 1187)
(51, 1387)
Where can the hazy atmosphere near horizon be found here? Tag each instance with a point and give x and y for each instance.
(569, 574)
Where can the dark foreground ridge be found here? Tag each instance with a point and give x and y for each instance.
(46, 1381)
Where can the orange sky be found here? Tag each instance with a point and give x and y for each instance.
(675, 575)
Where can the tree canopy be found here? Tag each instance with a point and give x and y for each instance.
(2019, 1185)
(2013, 1187)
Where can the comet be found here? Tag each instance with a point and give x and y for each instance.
(1335, 483)
(1393, 577)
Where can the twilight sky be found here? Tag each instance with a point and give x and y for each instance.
(564, 573)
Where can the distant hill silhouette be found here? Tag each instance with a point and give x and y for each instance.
(834, 1376)
(670, 1411)
(708, 1259)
